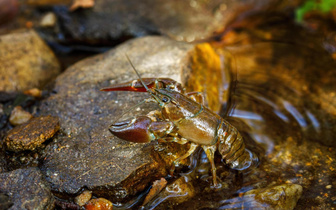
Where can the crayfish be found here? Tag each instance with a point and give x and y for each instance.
(182, 119)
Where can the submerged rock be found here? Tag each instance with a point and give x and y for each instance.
(26, 62)
(283, 196)
(156, 188)
(174, 193)
(26, 189)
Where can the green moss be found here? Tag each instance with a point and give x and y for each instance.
(323, 6)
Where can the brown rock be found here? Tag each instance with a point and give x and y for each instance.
(31, 135)
(156, 188)
(174, 193)
(26, 62)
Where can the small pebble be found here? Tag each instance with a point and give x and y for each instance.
(34, 92)
(19, 116)
(48, 20)
(329, 186)
(1, 109)
(99, 204)
(83, 198)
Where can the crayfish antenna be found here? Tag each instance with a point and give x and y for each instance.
(142, 82)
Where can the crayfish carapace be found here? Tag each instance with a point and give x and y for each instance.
(182, 119)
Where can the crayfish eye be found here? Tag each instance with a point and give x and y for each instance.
(165, 99)
(172, 87)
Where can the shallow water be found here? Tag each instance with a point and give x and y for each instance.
(274, 105)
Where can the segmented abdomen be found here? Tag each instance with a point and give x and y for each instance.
(232, 148)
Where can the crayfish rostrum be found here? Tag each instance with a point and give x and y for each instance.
(182, 119)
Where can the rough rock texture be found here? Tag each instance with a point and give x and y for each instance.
(27, 189)
(88, 154)
(175, 193)
(26, 62)
(31, 135)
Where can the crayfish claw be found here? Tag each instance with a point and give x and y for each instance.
(142, 129)
(134, 130)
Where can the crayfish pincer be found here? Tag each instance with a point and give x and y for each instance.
(182, 119)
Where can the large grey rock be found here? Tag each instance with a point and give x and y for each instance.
(88, 155)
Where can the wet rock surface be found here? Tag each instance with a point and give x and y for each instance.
(31, 135)
(26, 62)
(88, 154)
(174, 193)
(26, 189)
(276, 197)
(283, 196)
